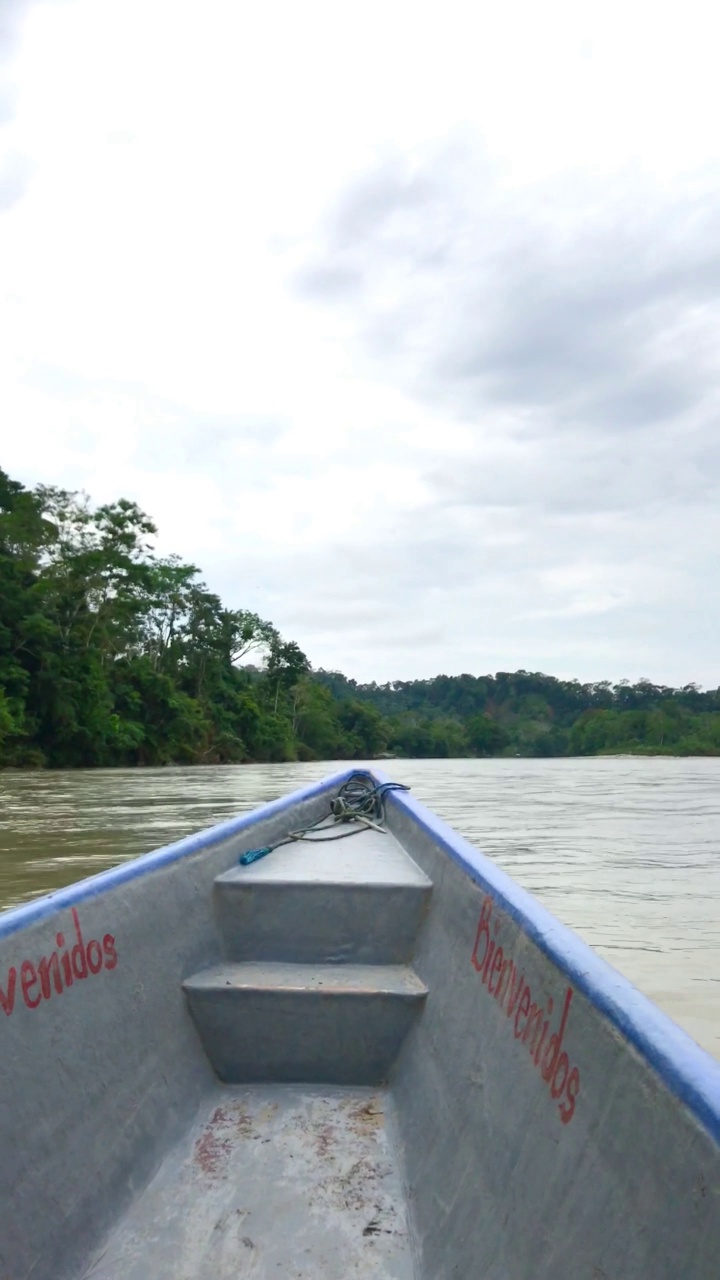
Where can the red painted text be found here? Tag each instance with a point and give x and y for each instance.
(530, 1020)
(34, 981)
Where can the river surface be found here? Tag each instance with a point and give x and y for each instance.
(625, 851)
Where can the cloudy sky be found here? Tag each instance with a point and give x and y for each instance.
(401, 319)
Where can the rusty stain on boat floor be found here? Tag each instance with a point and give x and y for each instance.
(274, 1181)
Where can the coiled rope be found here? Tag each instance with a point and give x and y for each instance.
(359, 802)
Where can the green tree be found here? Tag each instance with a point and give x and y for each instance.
(314, 721)
(286, 665)
(485, 736)
(365, 731)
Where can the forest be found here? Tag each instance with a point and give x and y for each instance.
(111, 655)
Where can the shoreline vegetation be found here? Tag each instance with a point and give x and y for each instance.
(113, 656)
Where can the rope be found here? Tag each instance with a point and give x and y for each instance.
(359, 801)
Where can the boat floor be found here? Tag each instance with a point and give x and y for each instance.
(292, 1181)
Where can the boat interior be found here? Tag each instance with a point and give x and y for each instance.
(275, 1177)
(366, 1053)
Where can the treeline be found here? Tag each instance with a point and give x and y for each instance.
(527, 713)
(111, 655)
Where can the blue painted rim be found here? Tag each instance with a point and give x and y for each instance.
(28, 913)
(690, 1073)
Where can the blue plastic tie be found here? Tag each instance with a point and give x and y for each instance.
(253, 855)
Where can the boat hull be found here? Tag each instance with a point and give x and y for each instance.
(547, 1121)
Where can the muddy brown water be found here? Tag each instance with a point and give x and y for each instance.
(625, 851)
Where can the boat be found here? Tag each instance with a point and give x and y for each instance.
(328, 1039)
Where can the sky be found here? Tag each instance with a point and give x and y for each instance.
(400, 319)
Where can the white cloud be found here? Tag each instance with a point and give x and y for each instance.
(399, 319)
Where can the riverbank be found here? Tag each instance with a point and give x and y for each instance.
(639, 753)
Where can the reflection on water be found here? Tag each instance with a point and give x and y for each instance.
(627, 852)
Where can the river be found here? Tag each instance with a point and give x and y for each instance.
(625, 851)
